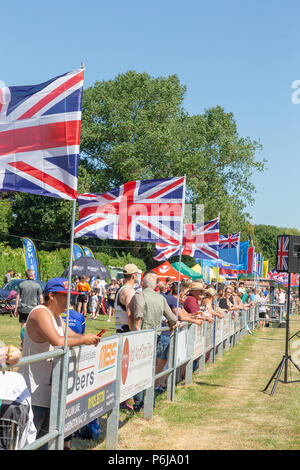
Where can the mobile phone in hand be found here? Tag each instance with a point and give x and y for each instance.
(101, 333)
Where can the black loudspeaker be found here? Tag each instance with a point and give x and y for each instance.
(288, 254)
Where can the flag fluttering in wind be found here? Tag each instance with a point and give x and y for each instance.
(200, 240)
(146, 211)
(40, 136)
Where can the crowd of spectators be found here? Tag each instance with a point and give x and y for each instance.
(153, 303)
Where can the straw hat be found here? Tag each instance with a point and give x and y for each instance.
(211, 291)
(197, 285)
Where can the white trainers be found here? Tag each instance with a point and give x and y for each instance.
(108, 320)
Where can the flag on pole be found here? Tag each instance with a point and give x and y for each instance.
(243, 256)
(199, 241)
(282, 253)
(40, 136)
(146, 211)
(265, 269)
(229, 248)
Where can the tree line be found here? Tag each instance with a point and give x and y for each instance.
(136, 127)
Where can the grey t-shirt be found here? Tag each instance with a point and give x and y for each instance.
(29, 292)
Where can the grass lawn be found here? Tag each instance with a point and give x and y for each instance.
(10, 328)
(224, 407)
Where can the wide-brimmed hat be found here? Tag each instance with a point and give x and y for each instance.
(197, 285)
(211, 291)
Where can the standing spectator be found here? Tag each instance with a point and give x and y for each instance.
(99, 286)
(124, 321)
(44, 330)
(208, 303)
(29, 295)
(281, 297)
(123, 316)
(93, 304)
(148, 309)
(111, 295)
(262, 311)
(193, 300)
(8, 276)
(83, 288)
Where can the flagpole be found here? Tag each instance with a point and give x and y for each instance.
(177, 302)
(66, 349)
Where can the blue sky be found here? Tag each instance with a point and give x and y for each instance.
(238, 54)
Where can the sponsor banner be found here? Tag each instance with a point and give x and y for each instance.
(218, 330)
(77, 251)
(91, 388)
(182, 346)
(236, 323)
(137, 363)
(31, 257)
(232, 325)
(199, 341)
(209, 336)
(226, 326)
(88, 252)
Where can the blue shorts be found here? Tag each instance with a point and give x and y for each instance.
(162, 347)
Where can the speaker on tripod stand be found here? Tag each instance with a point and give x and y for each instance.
(288, 261)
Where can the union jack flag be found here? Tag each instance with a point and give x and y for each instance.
(147, 211)
(40, 136)
(282, 253)
(281, 278)
(199, 241)
(229, 241)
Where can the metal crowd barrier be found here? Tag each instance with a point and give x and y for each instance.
(190, 348)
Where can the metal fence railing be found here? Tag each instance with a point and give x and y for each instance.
(190, 349)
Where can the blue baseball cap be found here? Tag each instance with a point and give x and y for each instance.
(58, 284)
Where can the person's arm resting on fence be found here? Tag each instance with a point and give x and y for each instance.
(41, 329)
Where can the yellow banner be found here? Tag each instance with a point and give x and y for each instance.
(265, 269)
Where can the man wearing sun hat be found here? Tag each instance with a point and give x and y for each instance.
(123, 315)
(45, 330)
(196, 294)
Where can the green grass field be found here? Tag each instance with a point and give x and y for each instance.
(224, 408)
(10, 328)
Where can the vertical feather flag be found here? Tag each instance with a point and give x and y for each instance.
(31, 257)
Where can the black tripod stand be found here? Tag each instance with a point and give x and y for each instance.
(284, 361)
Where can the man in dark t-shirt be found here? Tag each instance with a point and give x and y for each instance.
(29, 295)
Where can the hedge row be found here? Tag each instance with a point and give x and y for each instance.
(53, 263)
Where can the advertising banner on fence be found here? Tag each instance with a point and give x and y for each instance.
(91, 388)
(226, 326)
(182, 342)
(209, 336)
(137, 363)
(218, 330)
(199, 341)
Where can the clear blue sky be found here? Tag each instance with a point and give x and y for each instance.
(239, 54)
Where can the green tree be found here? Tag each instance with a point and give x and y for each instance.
(135, 127)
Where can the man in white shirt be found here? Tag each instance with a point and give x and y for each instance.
(281, 297)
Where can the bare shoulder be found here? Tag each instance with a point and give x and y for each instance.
(126, 294)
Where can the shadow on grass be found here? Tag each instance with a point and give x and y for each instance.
(226, 386)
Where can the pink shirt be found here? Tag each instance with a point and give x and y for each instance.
(191, 305)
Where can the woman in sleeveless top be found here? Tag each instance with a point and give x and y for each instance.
(45, 330)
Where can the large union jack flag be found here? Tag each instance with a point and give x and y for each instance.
(282, 253)
(229, 241)
(147, 211)
(199, 241)
(40, 136)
